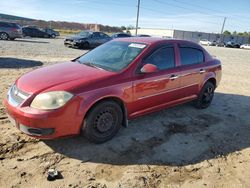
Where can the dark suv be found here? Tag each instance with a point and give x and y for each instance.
(31, 31)
(10, 31)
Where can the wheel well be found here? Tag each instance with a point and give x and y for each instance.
(212, 80)
(118, 101)
(5, 33)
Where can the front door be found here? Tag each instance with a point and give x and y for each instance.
(155, 89)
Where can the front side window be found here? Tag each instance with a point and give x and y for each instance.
(112, 56)
(96, 35)
(163, 58)
(190, 56)
(84, 34)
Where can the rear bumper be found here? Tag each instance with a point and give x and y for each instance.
(15, 35)
(62, 122)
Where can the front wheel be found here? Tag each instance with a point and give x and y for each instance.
(4, 36)
(86, 45)
(103, 122)
(206, 96)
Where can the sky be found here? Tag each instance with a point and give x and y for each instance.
(191, 15)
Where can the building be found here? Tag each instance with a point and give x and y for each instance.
(190, 35)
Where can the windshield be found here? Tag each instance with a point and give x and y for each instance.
(84, 33)
(112, 56)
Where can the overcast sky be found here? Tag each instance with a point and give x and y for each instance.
(194, 15)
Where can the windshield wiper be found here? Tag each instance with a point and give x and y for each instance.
(92, 65)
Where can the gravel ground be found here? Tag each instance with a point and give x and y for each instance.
(177, 147)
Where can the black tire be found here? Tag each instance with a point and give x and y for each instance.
(206, 96)
(53, 36)
(102, 122)
(86, 45)
(4, 36)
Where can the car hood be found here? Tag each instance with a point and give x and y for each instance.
(62, 76)
(77, 37)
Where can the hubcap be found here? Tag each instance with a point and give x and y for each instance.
(104, 121)
(208, 95)
(4, 36)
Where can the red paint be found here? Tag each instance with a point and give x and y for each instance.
(140, 93)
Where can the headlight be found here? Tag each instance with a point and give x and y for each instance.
(51, 100)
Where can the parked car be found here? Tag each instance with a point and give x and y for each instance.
(220, 44)
(245, 46)
(143, 35)
(10, 31)
(231, 44)
(34, 32)
(120, 35)
(99, 91)
(52, 33)
(87, 39)
(206, 42)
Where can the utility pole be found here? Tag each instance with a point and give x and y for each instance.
(223, 25)
(137, 18)
(222, 29)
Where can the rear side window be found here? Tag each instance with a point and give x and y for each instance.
(103, 35)
(191, 56)
(163, 58)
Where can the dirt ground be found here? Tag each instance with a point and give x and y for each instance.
(177, 147)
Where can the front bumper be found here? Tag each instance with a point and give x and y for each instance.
(62, 122)
(72, 44)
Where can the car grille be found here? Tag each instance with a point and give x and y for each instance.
(16, 96)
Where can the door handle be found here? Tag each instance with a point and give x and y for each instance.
(202, 71)
(173, 77)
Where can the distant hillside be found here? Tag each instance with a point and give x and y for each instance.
(58, 24)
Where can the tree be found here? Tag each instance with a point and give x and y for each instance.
(227, 32)
(130, 27)
(234, 33)
(123, 28)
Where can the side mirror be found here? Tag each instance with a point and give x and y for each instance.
(149, 68)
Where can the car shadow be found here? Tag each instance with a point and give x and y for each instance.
(9, 62)
(31, 41)
(180, 136)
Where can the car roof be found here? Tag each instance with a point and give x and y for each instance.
(151, 40)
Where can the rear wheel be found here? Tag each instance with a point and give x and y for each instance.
(4, 36)
(206, 96)
(103, 122)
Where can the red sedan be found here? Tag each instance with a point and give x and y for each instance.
(98, 92)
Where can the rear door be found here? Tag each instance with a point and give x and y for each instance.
(156, 89)
(104, 38)
(192, 71)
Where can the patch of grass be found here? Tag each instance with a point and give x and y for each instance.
(64, 32)
(67, 31)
